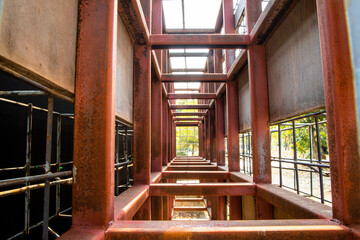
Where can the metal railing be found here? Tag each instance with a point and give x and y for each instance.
(54, 174)
(245, 153)
(123, 157)
(59, 172)
(308, 174)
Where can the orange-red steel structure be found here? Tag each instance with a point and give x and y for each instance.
(98, 215)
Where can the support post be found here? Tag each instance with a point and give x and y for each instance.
(231, 95)
(164, 132)
(156, 95)
(260, 122)
(260, 125)
(341, 111)
(212, 135)
(94, 124)
(142, 115)
(208, 136)
(220, 131)
(157, 208)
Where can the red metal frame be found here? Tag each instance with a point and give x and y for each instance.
(94, 124)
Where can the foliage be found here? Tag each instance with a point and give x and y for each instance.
(306, 139)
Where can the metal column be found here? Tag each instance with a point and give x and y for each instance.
(94, 135)
(341, 111)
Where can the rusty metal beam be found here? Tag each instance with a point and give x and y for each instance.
(162, 41)
(207, 77)
(206, 189)
(188, 114)
(192, 168)
(155, 63)
(195, 174)
(188, 119)
(189, 54)
(341, 111)
(219, 20)
(129, 202)
(269, 18)
(197, 106)
(292, 203)
(260, 122)
(94, 135)
(235, 230)
(187, 89)
(220, 131)
(142, 115)
(156, 101)
(134, 20)
(191, 96)
(187, 124)
(183, 70)
(189, 163)
(189, 31)
(231, 95)
(238, 65)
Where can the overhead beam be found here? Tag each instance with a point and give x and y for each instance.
(188, 114)
(188, 70)
(134, 21)
(191, 96)
(197, 106)
(236, 230)
(166, 41)
(195, 174)
(188, 119)
(190, 31)
(192, 168)
(208, 77)
(187, 124)
(269, 18)
(206, 189)
(187, 89)
(186, 54)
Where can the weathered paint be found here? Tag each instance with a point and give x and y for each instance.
(39, 37)
(341, 111)
(142, 115)
(232, 103)
(265, 229)
(294, 64)
(260, 125)
(94, 135)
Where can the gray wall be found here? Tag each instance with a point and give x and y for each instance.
(40, 35)
(294, 65)
(124, 75)
(244, 100)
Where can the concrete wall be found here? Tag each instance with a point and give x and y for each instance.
(124, 75)
(244, 101)
(39, 38)
(294, 64)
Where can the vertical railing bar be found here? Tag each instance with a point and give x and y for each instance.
(311, 159)
(117, 146)
(295, 159)
(280, 165)
(28, 166)
(125, 146)
(319, 159)
(58, 163)
(47, 167)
